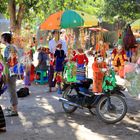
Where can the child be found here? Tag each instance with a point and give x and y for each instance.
(59, 58)
(27, 72)
(51, 72)
(82, 61)
(58, 82)
(80, 58)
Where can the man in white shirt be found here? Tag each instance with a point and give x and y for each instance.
(52, 42)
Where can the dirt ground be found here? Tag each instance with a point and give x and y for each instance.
(41, 117)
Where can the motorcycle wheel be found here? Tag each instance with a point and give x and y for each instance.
(113, 112)
(68, 108)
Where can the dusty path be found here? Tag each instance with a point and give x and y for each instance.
(41, 117)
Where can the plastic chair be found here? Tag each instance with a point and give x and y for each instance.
(43, 77)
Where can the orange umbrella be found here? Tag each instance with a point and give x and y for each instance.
(52, 22)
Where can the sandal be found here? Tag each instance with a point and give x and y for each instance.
(11, 114)
(2, 129)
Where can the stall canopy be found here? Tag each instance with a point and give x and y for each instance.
(68, 19)
(136, 25)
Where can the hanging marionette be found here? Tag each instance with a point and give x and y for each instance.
(99, 68)
(118, 59)
(102, 46)
(129, 42)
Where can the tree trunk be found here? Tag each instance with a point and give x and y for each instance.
(16, 18)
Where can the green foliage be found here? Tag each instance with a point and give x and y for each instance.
(125, 9)
(38, 10)
(3, 7)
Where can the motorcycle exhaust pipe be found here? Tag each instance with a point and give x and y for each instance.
(69, 103)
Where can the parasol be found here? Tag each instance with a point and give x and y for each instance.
(68, 19)
(136, 25)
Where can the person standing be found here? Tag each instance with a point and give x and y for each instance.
(52, 49)
(2, 118)
(42, 59)
(53, 42)
(63, 41)
(2, 121)
(6, 39)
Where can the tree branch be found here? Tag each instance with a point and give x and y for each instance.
(12, 12)
(20, 14)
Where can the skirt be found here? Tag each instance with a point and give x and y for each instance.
(59, 64)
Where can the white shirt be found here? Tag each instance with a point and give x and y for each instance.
(52, 45)
(64, 45)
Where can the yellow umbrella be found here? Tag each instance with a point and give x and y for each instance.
(136, 25)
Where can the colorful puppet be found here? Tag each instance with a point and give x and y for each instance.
(81, 60)
(109, 82)
(129, 41)
(102, 47)
(70, 72)
(98, 67)
(119, 58)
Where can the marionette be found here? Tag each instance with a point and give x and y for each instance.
(12, 61)
(81, 60)
(118, 59)
(102, 47)
(99, 67)
(70, 71)
(109, 82)
(129, 42)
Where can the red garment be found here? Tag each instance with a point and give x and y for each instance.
(98, 76)
(80, 59)
(58, 78)
(52, 61)
(32, 73)
(12, 61)
(74, 53)
(114, 53)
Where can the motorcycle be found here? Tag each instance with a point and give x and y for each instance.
(110, 107)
